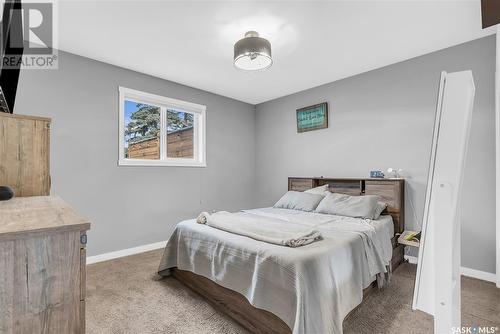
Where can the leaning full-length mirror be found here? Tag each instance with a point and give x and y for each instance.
(437, 287)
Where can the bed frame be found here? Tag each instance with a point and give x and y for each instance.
(256, 320)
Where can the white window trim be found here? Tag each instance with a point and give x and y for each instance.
(164, 103)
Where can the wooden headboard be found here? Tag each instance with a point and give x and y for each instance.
(390, 191)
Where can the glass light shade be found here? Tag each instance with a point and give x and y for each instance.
(252, 53)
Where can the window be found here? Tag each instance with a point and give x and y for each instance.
(160, 131)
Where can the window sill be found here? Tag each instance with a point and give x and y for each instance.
(160, 163)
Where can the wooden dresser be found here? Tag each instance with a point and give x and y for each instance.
(42, 240)
(42, 266)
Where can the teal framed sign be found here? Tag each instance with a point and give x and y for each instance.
(312, 118)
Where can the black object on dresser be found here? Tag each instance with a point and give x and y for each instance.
(6, 193)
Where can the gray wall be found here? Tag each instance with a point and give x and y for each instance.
(132, 206)
(384, 118)
(378, 119)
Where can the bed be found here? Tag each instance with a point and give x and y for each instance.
(275, 289)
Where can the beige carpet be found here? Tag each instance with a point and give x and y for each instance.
(126, 296)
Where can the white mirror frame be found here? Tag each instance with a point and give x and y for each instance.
(497, 155)
(437, 285)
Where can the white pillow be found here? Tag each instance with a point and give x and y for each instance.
(379, 208)
(299, 201)
(350, 206)
(318, 190)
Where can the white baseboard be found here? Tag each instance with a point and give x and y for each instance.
(482, 275)
(485, 276)
(411, 259)
(125, 252)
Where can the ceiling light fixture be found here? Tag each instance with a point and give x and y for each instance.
(252, 53)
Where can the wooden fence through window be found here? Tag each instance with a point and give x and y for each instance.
(179, 145)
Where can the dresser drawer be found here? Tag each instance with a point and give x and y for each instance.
(41, 286)
(82, 317)
(42, 266)
(83, 272)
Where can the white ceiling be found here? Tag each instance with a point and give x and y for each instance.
(313, 42)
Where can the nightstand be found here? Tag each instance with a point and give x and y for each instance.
(402, 241)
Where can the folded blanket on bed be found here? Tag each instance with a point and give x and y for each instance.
(270, 230)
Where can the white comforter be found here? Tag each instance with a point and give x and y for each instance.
(311, 288)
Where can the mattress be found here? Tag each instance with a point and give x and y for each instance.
(311, 288)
